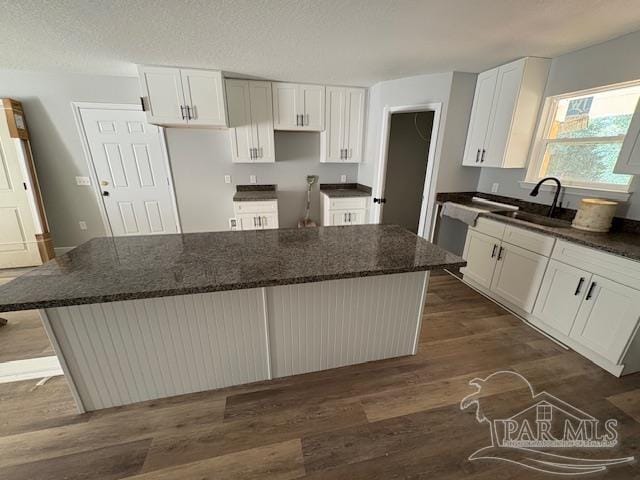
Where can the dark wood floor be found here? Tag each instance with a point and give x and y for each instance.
(393, 419)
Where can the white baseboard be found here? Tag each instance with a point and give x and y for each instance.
(62, 250)
(29, 369)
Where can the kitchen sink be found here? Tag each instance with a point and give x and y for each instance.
(537, 219)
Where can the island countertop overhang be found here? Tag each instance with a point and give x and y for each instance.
(128, 268)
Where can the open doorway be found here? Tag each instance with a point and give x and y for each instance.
(407, 159)
(405, 190)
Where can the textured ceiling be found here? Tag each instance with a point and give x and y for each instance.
(357, 42)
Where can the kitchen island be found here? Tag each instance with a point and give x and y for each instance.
(139, 318)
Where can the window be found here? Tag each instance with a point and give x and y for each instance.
(582, 137)
(544, 413)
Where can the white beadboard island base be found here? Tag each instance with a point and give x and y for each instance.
(129, 351)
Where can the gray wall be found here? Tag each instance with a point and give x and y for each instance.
(406, 168)
(423, 89)
(611, 62)
(56, 144)
(201, 158)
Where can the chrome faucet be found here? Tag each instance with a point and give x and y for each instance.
(536, 190)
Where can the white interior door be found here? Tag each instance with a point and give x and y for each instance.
(131, 167)
(18, 247)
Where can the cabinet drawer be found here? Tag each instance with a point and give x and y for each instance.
(255, 207)
(489, 227)
(535, 242)
(619, 269)
(348, 203)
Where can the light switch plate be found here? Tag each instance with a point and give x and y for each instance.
(343, 179)
(83, 225)
(494, 187)
(252, 179)
(83, 181)
(227, 179)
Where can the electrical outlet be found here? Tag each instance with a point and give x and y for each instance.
(227, 179)
(252, 179)
(83, 181)
(343, 179)
(83, 225)
(494, 188)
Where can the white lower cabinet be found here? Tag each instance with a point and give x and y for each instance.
(480, 254)
(260, 215)
(518, 275)
(607, 318)
(585, 298)
(561, 294)
(508, 271)
(343, 210)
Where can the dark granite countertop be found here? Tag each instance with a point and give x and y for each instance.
(625, 244)
(255, 193)
(623, 239)
(345, 190)
(126, 268)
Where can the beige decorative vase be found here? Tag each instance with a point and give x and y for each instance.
(595, 215)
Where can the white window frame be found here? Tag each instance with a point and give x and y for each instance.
(541, 141)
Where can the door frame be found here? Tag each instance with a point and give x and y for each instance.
(426, 224)
(77, 108)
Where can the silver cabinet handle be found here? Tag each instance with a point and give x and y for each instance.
(345, 218)
(482, 156)
(297, 120)
(259, 221)
(349, 217)
(255, 221)
(493, 252)
(191, 112)
(265, 222)
(580, 282)
(350, 153)
(251, 153)
(188, 112)
(590, 291)
(182, 110)
(500, 252)
(478, 156)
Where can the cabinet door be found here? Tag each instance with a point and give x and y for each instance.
(311, 101)
(480, 252)
(504, 107)
(518, 275)
(268, 220)
(480, 115)
(607, 318)
(561, 294)
(339, 217)
(629, 158)
(356, 217)
(164, 97)
(241, 129)
(249, 221)
(285, 106)
(262, 121)
(204, 95)
(354, 124)
(332, 139)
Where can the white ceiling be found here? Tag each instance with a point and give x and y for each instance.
(356, 42)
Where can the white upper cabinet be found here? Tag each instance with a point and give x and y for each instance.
(298, 106)
(204, 97)
(504, 114)
(180, 97)
(250, 121)
(629, 158)
(342, 139)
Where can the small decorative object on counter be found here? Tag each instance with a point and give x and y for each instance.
(595, 215)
